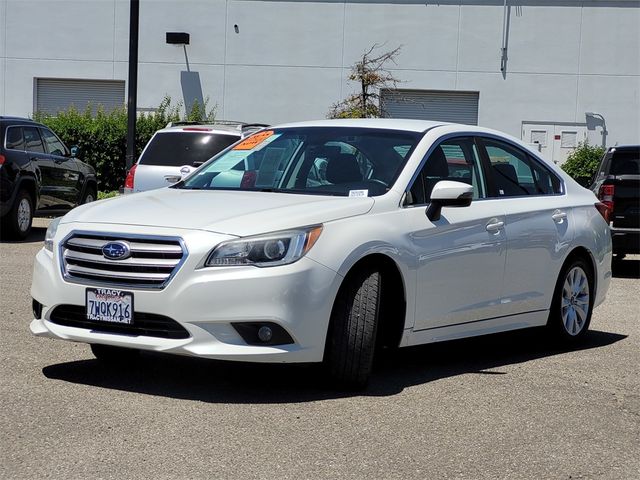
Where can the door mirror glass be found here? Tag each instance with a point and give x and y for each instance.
(75, 151)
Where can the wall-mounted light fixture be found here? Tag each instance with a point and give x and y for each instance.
(594, 119)
(178, 38)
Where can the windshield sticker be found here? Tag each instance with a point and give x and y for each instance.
(254, 140)
(358, 193)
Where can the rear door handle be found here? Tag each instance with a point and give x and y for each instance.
(494, 225)
(172, 178)
(559, 216)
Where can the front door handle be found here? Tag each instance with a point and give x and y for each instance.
(494, 225)
(559, 216)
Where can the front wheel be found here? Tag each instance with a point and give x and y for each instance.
(353, 327)
(89, 196)
(572, 304)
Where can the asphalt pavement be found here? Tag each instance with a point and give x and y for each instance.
(506, 406)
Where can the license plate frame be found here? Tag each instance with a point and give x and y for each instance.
(109, 305)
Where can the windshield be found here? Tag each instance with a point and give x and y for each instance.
(314, 160)
(174, 149)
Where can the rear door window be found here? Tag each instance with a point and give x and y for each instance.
(184, 148)
(32, 140)
(515, 173)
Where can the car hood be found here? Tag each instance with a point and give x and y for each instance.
(238, 213)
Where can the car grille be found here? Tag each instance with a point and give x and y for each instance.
(148, 324)
(153, 261)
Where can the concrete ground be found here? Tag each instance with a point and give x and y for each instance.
(506, 406)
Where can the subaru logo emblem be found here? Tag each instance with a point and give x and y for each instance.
(116, 250)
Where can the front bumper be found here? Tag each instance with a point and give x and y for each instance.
(205, 301)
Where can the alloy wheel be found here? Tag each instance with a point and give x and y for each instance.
(24, 214)
(575, 301)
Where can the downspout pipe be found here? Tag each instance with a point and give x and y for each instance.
(503, 49)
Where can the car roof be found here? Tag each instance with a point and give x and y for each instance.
(418, 126)
(623, 148)
(9, 119)
(382, 123)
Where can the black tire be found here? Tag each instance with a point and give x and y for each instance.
(89, 196)
(565, 301)
(16, 224)
(115, 356)
(353, 327)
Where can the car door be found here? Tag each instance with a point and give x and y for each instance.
(537, 224)
(43, 166)
(459, 258)
(66, 183)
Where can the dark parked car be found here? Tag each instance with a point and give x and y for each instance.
(39, 176)
(617, 185)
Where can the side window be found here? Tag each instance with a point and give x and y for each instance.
(14, 138)
(32, 140)
(514, 173)
(54, 145)
(456, 159)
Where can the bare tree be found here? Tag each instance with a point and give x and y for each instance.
(372, 75)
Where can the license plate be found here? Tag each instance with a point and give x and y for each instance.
(109, 305)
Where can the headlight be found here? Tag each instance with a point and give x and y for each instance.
(51, 232)
(270, 250)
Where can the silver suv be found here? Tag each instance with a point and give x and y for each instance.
(176, 150)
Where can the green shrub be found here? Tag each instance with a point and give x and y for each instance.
(102, 137)
(583, 161)
(102, 195)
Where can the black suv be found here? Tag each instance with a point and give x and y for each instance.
(39, 175)
(617, 185)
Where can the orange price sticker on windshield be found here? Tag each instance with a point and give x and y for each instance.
(254, 140)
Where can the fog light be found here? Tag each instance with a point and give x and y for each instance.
(265, 334)
(262, 333)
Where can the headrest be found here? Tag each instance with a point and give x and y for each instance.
(343, 168)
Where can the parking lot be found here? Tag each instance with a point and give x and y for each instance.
(506, 406)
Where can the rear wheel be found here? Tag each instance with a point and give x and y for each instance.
(572, 305)
(116, 356)
(353, 328)
(16, 224)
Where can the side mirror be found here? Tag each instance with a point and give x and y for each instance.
(75, 151)
(185, 170)
(447, 193)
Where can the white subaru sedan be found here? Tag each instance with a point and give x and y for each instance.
(325, 241)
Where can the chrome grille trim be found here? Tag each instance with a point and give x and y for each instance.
(153, 262)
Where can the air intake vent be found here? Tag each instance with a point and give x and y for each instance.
(147, 324)
(142, 262)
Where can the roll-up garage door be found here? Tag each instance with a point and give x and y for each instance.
(445, 106)
(54, 95)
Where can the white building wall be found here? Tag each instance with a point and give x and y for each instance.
(289, 60)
